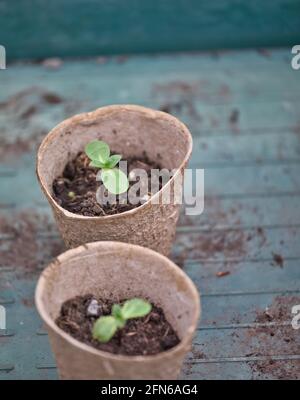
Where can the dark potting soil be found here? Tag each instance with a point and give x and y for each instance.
(148, 335)
(79, 180)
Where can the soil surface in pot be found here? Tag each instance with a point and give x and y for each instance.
(148, 335)
(79, 181)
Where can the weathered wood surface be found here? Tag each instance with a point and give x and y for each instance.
(243, 109)
(42, 28)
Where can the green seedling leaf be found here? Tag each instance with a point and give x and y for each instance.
(98, 151)
(115, 180)
(105, 328)
(117, 314)
(113, 160)
(116, 311)
(97, 164)
(135, 308)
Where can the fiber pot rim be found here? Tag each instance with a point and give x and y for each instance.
(79, 251)
(111, 109)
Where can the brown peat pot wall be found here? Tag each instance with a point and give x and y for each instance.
(117, 271)
(129, 130)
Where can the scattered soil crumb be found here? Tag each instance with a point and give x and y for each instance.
(220, 274)
(29, 115)
(262, 235)
(198, 354)
(276, 338)
(278, 260)
(28, 302)
(212, 243)
(177, 87)
(101, 60)
(234, 116)
(52, 63)
(122, 58)
(22, 246)
(264, 52)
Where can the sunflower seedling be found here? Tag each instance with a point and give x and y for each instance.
(113, 178)
(105, 327)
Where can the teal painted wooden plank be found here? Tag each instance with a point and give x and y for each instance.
(229, 368)
(217, 151)
(251, 180)
(197, 84)
(214, 250)
(245, 276)
(30, 114)
(224, 213)
(22, 349)
(228, 249)
(245, 212)
(236, 311)
(236, 370)
(205, 342)
(237, 245)
(6, 368)
(228, 304)
(239, 76)
(84, 28)
(186, 76)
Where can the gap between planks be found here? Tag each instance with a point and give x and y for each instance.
(208, 165)
(191, 262)
(251, 293)
(268, 195)
(9, 300)
(196, 229)
(41, 234)
(245, 163)
(7, 367)
(246, 359)
(208, 133)
(216, 360)
(250, 325)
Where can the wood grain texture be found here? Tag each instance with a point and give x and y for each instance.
(40, 28)
(243, 111)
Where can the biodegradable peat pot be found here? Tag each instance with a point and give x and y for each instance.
(117, 271)
(129, 130)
